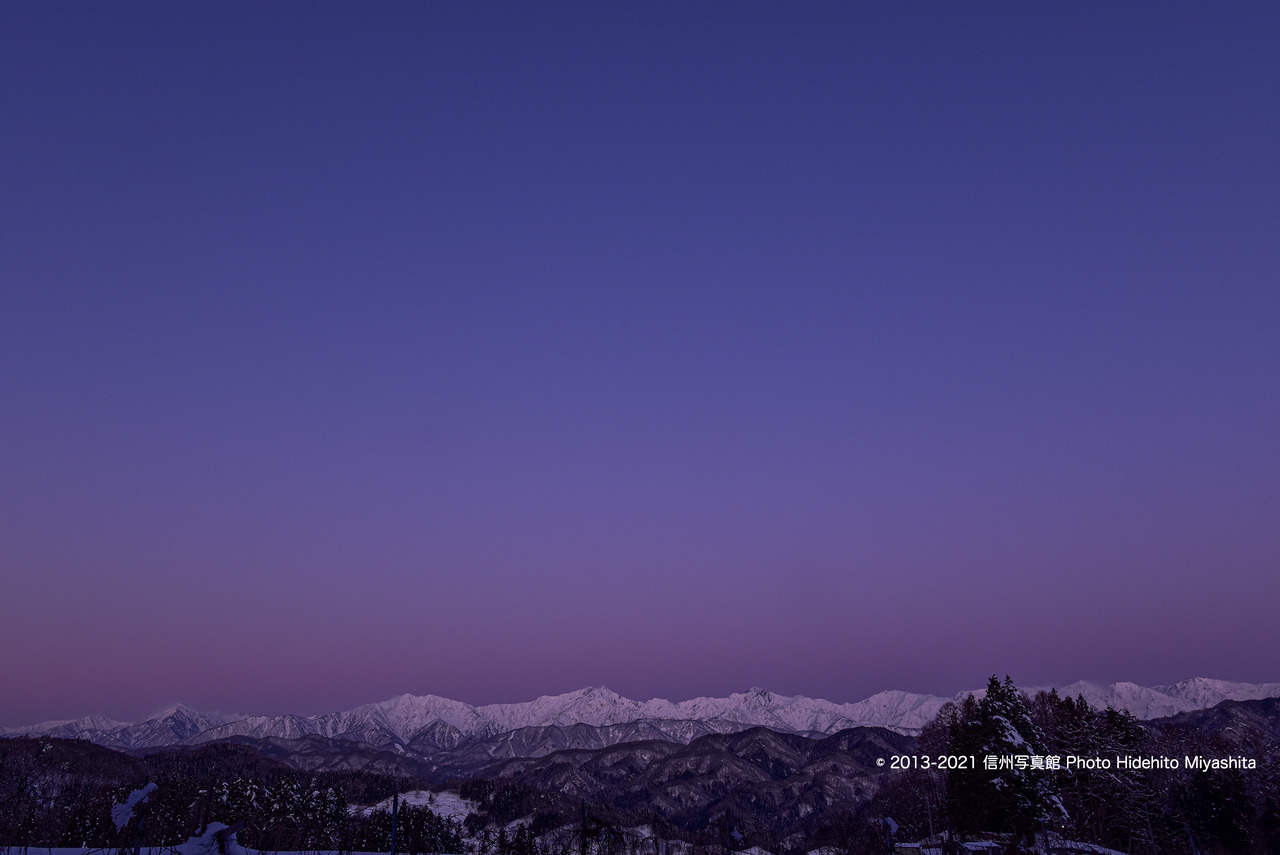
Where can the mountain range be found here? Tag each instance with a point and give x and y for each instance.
(783, 791)
(429, 727)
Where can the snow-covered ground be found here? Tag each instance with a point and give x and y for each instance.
(446, 803)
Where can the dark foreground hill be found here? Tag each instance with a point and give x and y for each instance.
(759, 785)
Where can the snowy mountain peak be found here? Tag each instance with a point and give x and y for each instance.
(428, 722)
(1203, 692)
(755, 693)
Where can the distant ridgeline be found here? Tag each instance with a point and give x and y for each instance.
(464, 737)
(996, 765)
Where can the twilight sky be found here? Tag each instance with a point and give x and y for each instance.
(493, 350)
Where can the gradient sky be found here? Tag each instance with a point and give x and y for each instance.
(495, 350)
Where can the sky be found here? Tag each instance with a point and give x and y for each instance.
(493, 350)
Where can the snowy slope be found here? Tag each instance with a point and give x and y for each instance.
(170, 727)
(1203, 693)
(428, 724)
(1160, 701)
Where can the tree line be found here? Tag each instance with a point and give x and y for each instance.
(1142, 811)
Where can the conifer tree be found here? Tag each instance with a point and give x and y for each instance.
(1007, 792)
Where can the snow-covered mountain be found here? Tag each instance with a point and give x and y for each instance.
(173, 726)
(427, 725)
(1203, 693)
(1159, 701)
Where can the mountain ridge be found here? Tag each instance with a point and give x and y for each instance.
(425, 725)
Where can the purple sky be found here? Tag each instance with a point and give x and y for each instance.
(490, 351)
